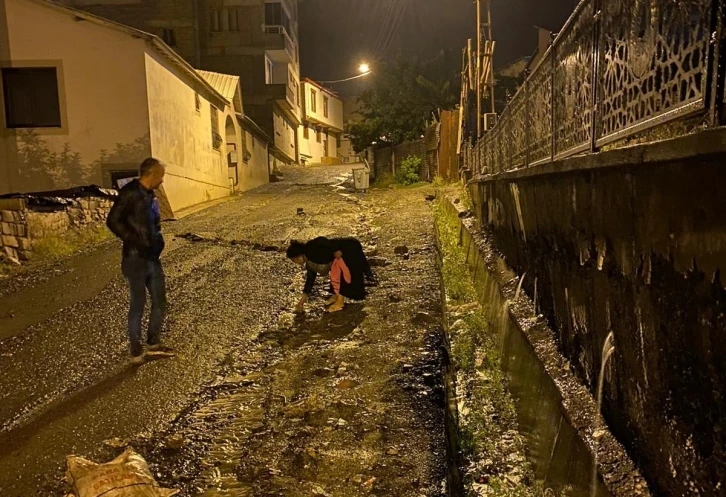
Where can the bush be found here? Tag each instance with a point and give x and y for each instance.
(407, 173)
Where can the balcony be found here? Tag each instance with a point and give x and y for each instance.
(279, 46)
(285, 98)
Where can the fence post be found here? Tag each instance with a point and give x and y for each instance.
(553, 103)
(716, 68)
(527, 121)
(595, 110)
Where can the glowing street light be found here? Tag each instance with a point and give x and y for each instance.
(364, 70)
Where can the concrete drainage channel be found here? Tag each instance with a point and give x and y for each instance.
(568, 447)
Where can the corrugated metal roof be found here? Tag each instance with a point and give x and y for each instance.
(225, 84)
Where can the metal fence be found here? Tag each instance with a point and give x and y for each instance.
(617, 68)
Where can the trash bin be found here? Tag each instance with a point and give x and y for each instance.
(361, 178)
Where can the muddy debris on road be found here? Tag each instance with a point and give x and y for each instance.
(341, 405)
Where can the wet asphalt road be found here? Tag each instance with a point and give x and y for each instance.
(66, 386)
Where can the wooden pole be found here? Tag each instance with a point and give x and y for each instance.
(478, 68)
(491, 54)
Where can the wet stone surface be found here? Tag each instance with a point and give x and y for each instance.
(258, 401)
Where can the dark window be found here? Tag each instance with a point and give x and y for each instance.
(313, 101)
(233, 20)
(273, 14)
(319, 136)
(214, 23)
(216, 137)
(169, 36)
(276, 16)
(325, 106)
(223, 20)
(306, 133)
(31, 97)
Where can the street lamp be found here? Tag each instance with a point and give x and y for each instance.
(364, 69)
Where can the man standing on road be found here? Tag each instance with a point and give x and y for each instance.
(135, 218)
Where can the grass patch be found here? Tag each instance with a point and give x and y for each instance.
(487, 415)
(457, 280)
(384, 181)
(466, 201)
(58, 246)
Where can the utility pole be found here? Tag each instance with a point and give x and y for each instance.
(484, 59)
(478, 67)
(490, 55)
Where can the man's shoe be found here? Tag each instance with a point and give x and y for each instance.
(159, 351)
(157, 347)
(137, 360)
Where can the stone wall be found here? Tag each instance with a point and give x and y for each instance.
(632, 242)
(24, 223)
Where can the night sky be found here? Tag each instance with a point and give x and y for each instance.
(335, 35)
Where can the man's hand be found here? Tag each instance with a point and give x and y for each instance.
(337, 254)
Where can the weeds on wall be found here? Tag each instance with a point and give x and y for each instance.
(495, 463)
(58, 246)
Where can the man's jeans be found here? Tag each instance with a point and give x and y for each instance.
(143, 274)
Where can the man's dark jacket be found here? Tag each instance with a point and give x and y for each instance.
(135, 219)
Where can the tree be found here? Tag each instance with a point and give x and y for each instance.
(404, 95)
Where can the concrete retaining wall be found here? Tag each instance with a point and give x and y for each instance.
(633, 242)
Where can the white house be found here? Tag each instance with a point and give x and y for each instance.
(322, 125)
(247, 147)
(85, 100)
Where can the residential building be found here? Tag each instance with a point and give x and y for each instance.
(85, 100)
(256, 40)
(322, 125)
(248, 161)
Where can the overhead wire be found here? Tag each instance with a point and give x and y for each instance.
(396, 24)
(386, 26)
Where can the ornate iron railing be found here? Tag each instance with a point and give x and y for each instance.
(617, 68)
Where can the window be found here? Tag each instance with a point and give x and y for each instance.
(214, 23)
(31, 97)
(273, 14)
(197, 103)
(319, 136)
(169, 36)
(233, 20)
(216, 138)
(223, 20)
(306, 132)
(325, 106)
(270, 68)
(313, 101)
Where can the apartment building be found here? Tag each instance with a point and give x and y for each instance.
(322, 125)
(256, 40)
(84, 101)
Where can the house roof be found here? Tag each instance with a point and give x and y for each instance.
(321, 87)
(225, 84)
(150, 39)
